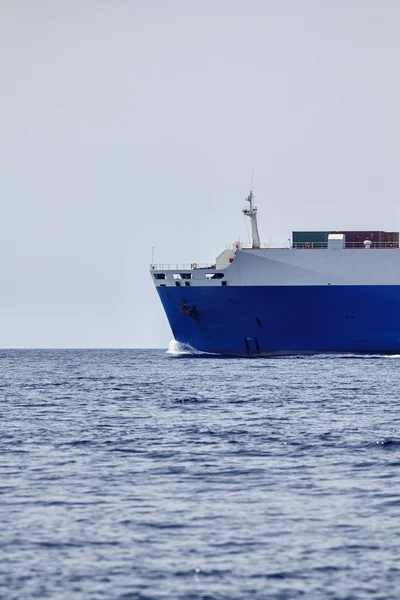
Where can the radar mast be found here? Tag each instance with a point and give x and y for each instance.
(251, 212)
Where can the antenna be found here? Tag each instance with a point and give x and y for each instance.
(250, 197)
(252, 213)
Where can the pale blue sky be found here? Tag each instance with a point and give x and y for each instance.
(129, 124)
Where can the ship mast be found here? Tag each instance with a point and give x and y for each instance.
(251, 212)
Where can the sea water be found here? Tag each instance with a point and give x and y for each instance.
(142, 474)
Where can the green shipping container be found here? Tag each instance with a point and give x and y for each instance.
(315, 239)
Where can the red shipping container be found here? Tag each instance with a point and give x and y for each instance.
(392, 239)
(379, 239)
(356, 239)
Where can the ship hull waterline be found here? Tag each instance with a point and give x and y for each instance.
(285, 320)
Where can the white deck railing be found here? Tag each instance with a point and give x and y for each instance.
(187, 267)
(310, 245)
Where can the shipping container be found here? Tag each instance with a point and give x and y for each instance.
(392, 239)
(310, 239)
(356, 239)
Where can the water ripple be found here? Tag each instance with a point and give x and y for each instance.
(137, 476)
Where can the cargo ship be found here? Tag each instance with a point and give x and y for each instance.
(323, 292)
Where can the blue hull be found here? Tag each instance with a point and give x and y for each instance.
(265, 320)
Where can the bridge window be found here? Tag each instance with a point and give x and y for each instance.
(160, 276)
(214, 275)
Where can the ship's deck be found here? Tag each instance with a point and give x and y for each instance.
(316, 246)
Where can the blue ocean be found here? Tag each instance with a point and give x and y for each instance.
(142, 474)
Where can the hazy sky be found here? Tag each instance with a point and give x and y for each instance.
(129, 124)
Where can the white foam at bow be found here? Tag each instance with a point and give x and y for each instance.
(177, 349)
